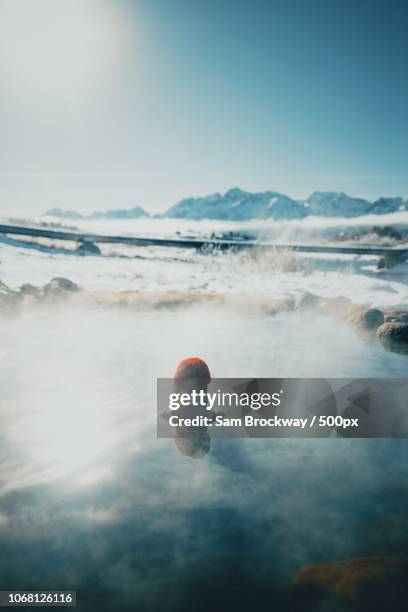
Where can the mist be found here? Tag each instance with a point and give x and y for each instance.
(122, 517)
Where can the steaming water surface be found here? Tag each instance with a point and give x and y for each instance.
(91, 500)
(119, 515)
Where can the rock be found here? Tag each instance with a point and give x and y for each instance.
(391, 318)
(306, 300)
(59, 285)
(287, 304)
(365, 584)
(394, 336)
(367, 318)
(28, 289)
(87, 248)
(59, 288)
(10, 300)
(397, 312)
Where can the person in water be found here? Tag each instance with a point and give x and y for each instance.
(191, 374)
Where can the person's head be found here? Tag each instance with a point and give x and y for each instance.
(191, 374)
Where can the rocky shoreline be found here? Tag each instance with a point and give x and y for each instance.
(362, 584)
(388, 326)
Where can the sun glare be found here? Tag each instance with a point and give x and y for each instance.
(62, 47)
(67, 433)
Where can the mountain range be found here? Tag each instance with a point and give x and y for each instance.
(130, 213)
(239, 205)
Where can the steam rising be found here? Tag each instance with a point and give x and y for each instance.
(129, 522)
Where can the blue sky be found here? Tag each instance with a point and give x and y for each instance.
(116, 103)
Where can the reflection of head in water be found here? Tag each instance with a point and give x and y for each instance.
(192, 374)
(196, 445)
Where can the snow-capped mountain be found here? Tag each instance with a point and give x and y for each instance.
(333, 204)
(131, 213)
(63, 214)
(382, 206)
(239, 205)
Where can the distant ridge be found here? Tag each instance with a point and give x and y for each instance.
(239, 205)
(132, 213)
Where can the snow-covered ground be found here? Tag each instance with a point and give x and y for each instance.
(161, 269)
(169, 269)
